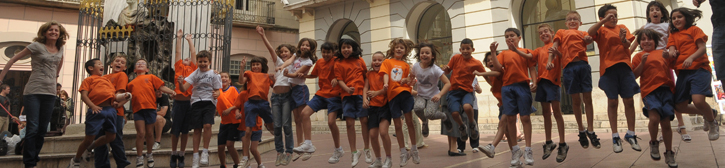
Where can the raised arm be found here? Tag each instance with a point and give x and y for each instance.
(288, 62)
(12, 61)
(513, 48)
(272, 53)
(593, 30)
(179, 36)
(496, 64)
(170, 91)
(192, 50)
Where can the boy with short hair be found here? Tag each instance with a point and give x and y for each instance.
(98, 93)
(119, 79)
(203, 103)
(548, 93)
(460, 97)
(616, 73)
(571, 45)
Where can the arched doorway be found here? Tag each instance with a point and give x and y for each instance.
(429, 22)
(343, 28)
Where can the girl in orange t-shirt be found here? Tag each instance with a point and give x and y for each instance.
(692, 67)
(374, 100)
(350, 71)
(228, 132)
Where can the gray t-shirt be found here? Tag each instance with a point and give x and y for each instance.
(204, 85)
(661, 28)
(297, 65)
(42, 78)
(427, 80)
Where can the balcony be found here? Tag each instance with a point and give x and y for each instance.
(68, 4)
(253, 12)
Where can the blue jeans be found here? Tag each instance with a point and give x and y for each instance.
(282, 113)
(718, 49)
(117, 148)
(38, 110)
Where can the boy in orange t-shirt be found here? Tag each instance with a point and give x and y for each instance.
(228, 132)
(577, 74)
(98, 93)
(350, 71)
(256, 131)
(657, 90)
(493, 78)
(616, 73)
(258, 82)
(516, 92)
(119, 79)
(182, 100)
(143, 88)
(379, 117)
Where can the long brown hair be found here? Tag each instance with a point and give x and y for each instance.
(312, 54)
(44, 29)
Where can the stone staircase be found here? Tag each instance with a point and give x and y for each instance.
(57, 151)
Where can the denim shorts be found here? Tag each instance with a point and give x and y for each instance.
(546, 91)
(619, 80)
(332, 104)
(256, 135)
(577, 77)
(228, 132)
(255, 108)
(103, 121)
(690, 82)
(147, 115)
(516, 99)
(300, 95)
(661, 101)
(457, 98)
(352, 107)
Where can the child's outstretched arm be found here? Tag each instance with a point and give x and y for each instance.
(699, 53)
(496, 65)
(513, 48)
(84, 96)
(192, 50)
(272, 53)
(444, 90)
(288, 62)
(300, 72)
(593, 30)
(243, 65)
(366, 102)
(183, 87)
(170, 91)
(487, 74)
(179, 36)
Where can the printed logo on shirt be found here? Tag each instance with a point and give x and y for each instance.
(396, 74)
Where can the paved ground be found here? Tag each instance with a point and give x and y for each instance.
(699, 153)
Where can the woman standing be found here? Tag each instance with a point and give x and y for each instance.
(46, 53)
(67, 102)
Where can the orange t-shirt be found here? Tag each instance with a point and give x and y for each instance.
(143, 88)
(119, 81)
(685, 42)
(258, 84)
(462, 72)
(396, 70)
(541, 56)
(99, 89)
(239, 103)
(225, 100)
(375, 82)
(571, 45)
(656, 72)
(611, 49)
(183, 70)
(325, 72)
(517, 67)
(351, 71)
(496, 85)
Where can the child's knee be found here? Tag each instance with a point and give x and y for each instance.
(525, 119)
(467, 107)
(331, 123)
(628, 102)
(207, 126)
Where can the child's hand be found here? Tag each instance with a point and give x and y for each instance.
(227, 111)
(260, 30)
(350, 90)
(180, 79)
(533, 86)
(494, 46)
(672, 54)
(475, 72)
(216, 95)
(436, 98)
(511, 46)
(180, 34)
(608, 18)
(404, 81)
(549, 66)
(644, 57)
(623, 35)
(366, 103)
(284, 73)
(243, 63)
(96, 109)
(188, 37)
(239, 115)
(697, 2)
(333, 82)
(279, 69)
(688, 62)
(372, 94)
(385, 86)
(588, 39)
(445, 68)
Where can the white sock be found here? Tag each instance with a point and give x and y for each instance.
(339, 149)
(309, 142)
(591, 132)
(515, 148)
(196, 155)
(493, 148)
(528, 148)
(630, 133)
(583, 131)
(205, 150)
(150, 155)
(615, 135)
(402, 150)
(245, 158)
(414, 148)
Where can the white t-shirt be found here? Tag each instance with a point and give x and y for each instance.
(661, 28)
(279, 78)
(427, 80)
(205, 83)
(297, 65)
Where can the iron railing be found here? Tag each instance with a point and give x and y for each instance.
(254, 12)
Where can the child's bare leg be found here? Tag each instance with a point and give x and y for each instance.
(207, 135)
(222, 155)
(667, 134)
(351, 135)
(384, 136)
(546, 110)
(140, 136)
(468, 109)
(411, 130)
(502, 128)
(232, 152)
(559, 120)
(456, 117)
(705, 110)
(399, 131)
(365, 132)
(307, 123)
(629, 112)
(680, 122)
(297, 113)
(196, 140)
(526, 121)
(159, 126)
(246, 141)
(576, 105)
(149, 138)
(84, 146)
(654, 123)
(511, 125)
(334, 130)
(587, 97)
(374, 134)
(612, 105)
(255, 152)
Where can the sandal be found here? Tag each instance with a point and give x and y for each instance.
(685, 137)
(520, 138)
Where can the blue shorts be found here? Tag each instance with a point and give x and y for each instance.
(256, 135)
(690, 82)
(516, 99)
(228, 132)
(377, 114)
(352, 107)
(400, 104)
(147, 115)
(255, 108)
(619, 80)
(546, 91)
(300, 95)
(457, 98)
(103, 121)
(332, 104)
(577, 77)
(178, 113)
(660, 100)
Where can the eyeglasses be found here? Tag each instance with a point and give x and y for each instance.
(572, 19)
(140, 63)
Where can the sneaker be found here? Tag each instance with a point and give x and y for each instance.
(74, 164)
(174, 159)
(205, 158)
(464, 131)
(425, 130)
(278, 161)
(388, 163)
(304, 148)
(181, 161)
(583, 140)
(376, 164)
(150, 161)
(706, 127)
(595, 141)
(515, 156)
(195, 163)
(86, 156)
(654, 150)
(488, 150)
(563, 150)
(415, 156)
(617, 144)
(305, 156)
(475, 150)
(473, 128)
(714, 132)
(404, 158)
(633, 141)
(670, 159)
(448, 125)
(529, 157)
(355, 158)
(368, 156)
(261, 166)
(336, 156)
(296, 156)
(244, 163)
(157, 146)
(139, 162)
(287, 158)
(548, 147)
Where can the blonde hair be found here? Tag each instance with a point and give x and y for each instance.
(409, 45)
(44, 29)
(547, 26)
(576, 13)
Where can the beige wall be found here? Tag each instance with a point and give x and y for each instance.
(248, 41)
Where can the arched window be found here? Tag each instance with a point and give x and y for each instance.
(433, 26)
(343, 28)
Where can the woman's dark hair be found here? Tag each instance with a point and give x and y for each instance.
(691, 15)
(312, 54)
(409, 45)
(665, 15)
(262, 61)
(652, 34)
(356, 50)
(433, 50)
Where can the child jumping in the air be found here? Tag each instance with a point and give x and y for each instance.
(256, 136)
(228, 132)
(301, 63)
(258, 82)
(378, 112)
(182, 101)
(427, 101)
(119, 79)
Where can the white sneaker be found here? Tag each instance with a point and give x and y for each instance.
(388, 163)
(195, 164)
(670, 159)
(475, 150)
(305, 156)
(244, 163)
(205, 158)
(336, 156)
(150, 161)
(355, 158)
(714, 132)
(404, 158)
(617, 145)
(139, 162)
(261, 166)
(157, 146)
(304, 148)
(529, 157)
(74, 164)
(414, 155)
(515, 156)
(488, 150)
(278, 161)
(376, 164)
(368, 156)
(86, 156)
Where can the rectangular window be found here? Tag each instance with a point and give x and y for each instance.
(234, 68)
(241, 5)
